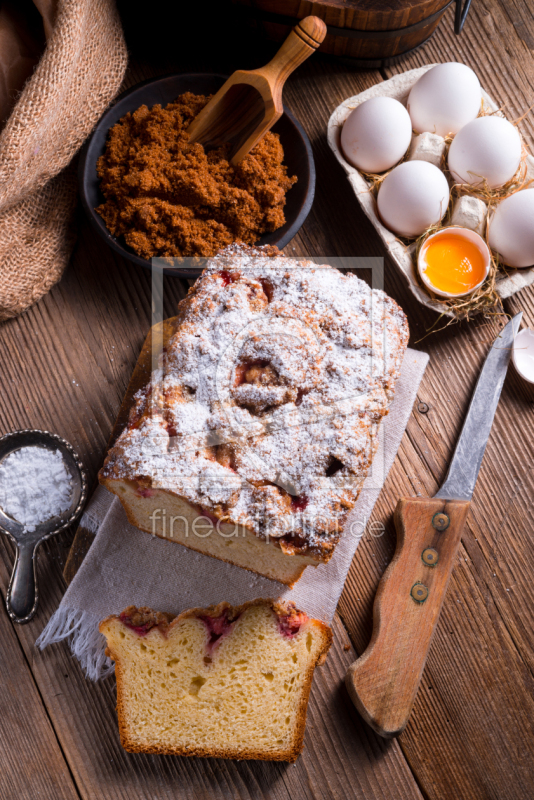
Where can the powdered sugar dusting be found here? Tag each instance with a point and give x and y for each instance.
(267, 402)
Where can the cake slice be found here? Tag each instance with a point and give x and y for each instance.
(254, 436)
(227, 682)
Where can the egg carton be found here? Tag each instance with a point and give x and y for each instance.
(399, 88)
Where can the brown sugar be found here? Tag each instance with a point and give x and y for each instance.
(167, 197)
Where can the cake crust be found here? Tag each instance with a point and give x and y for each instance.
(271, 563)
(144, 620)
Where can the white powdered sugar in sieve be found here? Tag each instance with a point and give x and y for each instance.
(35, 485)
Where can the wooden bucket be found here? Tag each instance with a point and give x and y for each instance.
(371, 33)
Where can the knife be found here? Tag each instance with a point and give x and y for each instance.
(384, 681)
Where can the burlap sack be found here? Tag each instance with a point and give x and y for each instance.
(78, 75)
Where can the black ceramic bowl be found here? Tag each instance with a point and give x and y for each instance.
(297, 149)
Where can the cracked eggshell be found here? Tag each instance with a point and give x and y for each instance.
(414, 196)
(376, 134)
(488, 148)
(462, 233)
(445, 99)
(523, 354)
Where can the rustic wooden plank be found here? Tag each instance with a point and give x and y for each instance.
(522, 17)
(32, 762)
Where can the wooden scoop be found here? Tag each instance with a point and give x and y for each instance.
(250, 102)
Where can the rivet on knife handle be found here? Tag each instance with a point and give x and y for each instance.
(383, 683)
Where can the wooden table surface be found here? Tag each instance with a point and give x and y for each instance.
(65, 365)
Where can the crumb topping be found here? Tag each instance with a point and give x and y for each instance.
(265, 408)
(142, 620)
(219, 620)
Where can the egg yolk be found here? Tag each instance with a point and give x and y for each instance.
(453, 264)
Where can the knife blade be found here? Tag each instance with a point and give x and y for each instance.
(383, 682)
(465, 465)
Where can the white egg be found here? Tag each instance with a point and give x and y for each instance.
(444, 99)
(376, 134)
(414, 196)
(511, 229)
(488, 148)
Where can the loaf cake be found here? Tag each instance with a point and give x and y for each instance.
(255, 434)
(228, 682)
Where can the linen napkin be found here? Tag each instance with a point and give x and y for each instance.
(126, 566)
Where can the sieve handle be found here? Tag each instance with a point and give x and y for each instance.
(22, 597)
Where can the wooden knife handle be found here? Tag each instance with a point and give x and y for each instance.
(383, 682)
